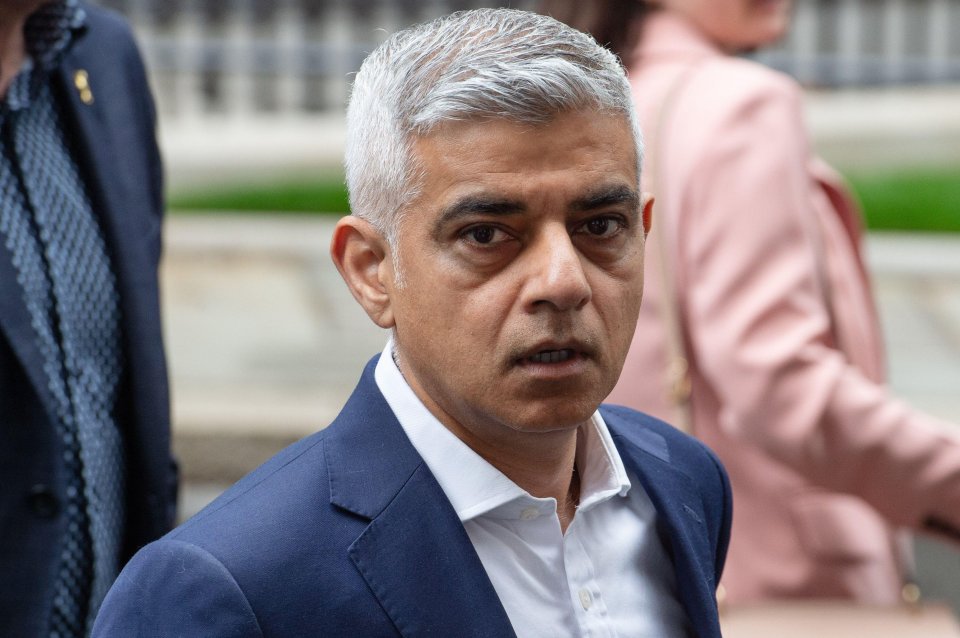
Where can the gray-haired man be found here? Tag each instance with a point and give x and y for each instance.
(470, 486)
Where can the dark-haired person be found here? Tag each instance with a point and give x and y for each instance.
(86, 475)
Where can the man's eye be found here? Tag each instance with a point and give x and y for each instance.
(483, 234)
(602, 226)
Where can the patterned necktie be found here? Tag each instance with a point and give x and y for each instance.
(70, 291)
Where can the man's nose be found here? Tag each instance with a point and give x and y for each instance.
(556, 276)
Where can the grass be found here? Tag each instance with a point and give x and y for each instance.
(305, 195)
(925, 200)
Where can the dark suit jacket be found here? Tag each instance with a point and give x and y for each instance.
(115, 147)
(347, 533)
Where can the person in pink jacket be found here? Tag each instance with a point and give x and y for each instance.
(756, 280)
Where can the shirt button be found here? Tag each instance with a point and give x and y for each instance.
(43, 501)
(586, 600)
(529, 514)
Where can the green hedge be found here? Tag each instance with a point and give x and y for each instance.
(910, 200)
(322, 195)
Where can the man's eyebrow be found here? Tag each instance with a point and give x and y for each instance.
(607, 196)
(478, 205)
(472, 205)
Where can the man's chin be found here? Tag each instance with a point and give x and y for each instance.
(556, 415)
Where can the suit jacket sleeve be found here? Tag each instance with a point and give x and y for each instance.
(760, 326)
(171, 589)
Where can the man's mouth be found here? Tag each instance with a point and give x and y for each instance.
(551, 356)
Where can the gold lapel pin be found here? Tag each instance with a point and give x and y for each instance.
(81, 80)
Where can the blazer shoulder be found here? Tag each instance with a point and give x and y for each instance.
(690, 457)
(102, 22)
(294, 489)
(108, 49)
(639, 426)
(173, 588)
(725, 95)
(729, 107)
(283, 473)
(735, 80)
(662, 440)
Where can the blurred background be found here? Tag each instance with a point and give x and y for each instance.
(264, 340)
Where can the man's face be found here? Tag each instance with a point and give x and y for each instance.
(522, 270)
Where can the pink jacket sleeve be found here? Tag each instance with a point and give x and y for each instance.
(757, 316)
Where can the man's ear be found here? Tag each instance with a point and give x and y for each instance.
(362, 256)
(646, 212)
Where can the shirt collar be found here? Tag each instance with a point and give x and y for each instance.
(473, 486)
(51, 30)
(49, 33)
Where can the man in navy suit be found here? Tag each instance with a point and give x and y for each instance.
(85, 467)
(470, 486)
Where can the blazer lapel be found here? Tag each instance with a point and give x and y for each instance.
(415, 554)
(117, 190)
(680, 523)
(15, 322)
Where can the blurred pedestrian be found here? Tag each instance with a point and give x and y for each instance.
(85, 463)
(758, 313)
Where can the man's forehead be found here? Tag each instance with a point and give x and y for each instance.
(534, 123)
(494, 142)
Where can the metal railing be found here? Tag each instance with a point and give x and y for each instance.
(242, 57)
(869, 42)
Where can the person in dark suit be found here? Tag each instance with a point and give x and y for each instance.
(85, 466)
(470, 486)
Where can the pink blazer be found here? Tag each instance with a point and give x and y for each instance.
(777, 315)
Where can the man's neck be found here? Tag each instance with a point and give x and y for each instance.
(13, 45)
(542, 464)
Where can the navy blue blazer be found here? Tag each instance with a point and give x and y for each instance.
(347, 533)
(116, 150)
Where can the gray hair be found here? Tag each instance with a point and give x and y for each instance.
(468, 66)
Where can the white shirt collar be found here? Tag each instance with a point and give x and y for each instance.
(475, 487)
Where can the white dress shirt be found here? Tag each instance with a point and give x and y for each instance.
(609, 575)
